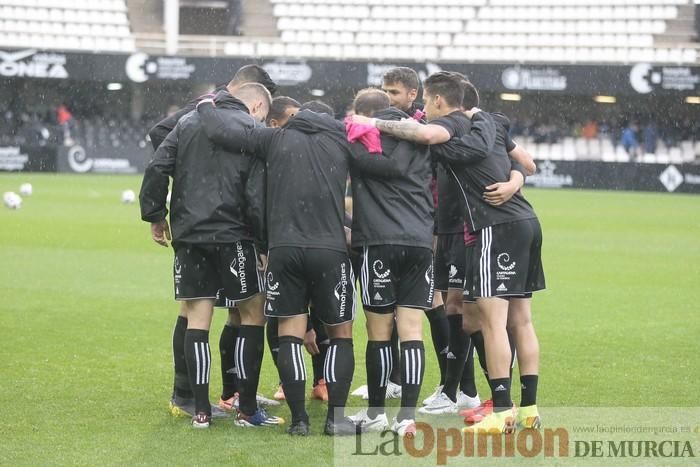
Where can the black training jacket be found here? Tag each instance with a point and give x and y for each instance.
(307, 164)
(479, 159)
(160, 130)
(214, 198)
(398, 211)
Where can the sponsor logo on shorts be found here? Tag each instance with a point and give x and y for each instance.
(178, 276)
(502, 288)
(453, 270)
(377, 266)
(237, 267)
(503, 260)
(271, 290)
(453, 279)
(429, 280)
(505, 267)
(341, 289)
(272, 284)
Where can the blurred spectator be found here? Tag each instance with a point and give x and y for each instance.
(590, 130)
(650, 137)
(629, 139)
(64, 119)
(235, 15)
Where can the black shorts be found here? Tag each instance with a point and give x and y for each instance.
(228, 273)
(298, 276)
(508, 260)
(449, 261)
(467, 295)
(393, 276)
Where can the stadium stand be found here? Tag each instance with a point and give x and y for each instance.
(476, 30)
(97, 25)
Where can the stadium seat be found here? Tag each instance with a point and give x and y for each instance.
(62, 24)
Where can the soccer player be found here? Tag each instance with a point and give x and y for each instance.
(466, 316)
(182, 400)
(392, 225)
(315, 340)
(506, 271)
(401, 84)
(443, 95)
(307, 167)
(215, 254)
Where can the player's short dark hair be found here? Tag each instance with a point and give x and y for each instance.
(318, 107)
(279, 106)
(403, 75)
(254, 74)
(446, 85)
(471, 95)
(370, 100)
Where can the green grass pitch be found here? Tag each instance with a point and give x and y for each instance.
(86, 314)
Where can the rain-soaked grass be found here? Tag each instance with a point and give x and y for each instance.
(86, 316)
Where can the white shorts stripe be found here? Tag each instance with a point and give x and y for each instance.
(364, 278)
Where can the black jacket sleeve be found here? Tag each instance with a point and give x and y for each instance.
(472, 147)
(225, 131)
(160, 131)
(154, 188)
(375, 165)
(255, 190)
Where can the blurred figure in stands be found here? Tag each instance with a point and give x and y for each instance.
(234, 22)
(651, 137)
(629, 139)
(64, 119)
(590, 130)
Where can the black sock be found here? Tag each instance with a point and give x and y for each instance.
(440, 332)
(229, 375)
(273, 340)
(468, 383)
(378, 360)
(338, 370)
(455, 357)
(395, 376)
(292, 371)
(513, 354)
(181, 383)
(250, 347)
(412, 370)
(478, 341)
(322, 342)
(318, 361)
(500, 393)
(198, 357)
(528, 390)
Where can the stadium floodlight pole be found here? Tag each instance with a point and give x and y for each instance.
(171, 21)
